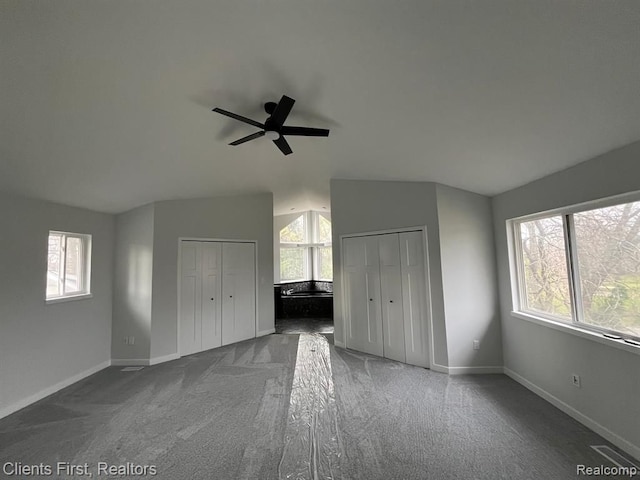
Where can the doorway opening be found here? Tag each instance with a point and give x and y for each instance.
(304, 307)
(303, 273)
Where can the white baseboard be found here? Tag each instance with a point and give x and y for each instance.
(601, 430)
(164, 358)
(25, 402)
(439, 368)
(130, 362)
(262, 333)
(474, 370)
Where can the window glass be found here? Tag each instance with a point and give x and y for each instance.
(292, 264)
(294, 232)
(325, 266)
(608, 252)
(544, 267)
(73, 268)
(324, 229)
(54, 287)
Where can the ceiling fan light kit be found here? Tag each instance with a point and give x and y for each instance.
(273, 128)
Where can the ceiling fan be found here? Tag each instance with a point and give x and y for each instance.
(273, 128)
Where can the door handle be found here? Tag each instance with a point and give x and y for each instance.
(212, 299)
(371, 299)
(390, 301)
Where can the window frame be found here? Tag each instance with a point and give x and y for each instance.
(516, 261)
(85, 277)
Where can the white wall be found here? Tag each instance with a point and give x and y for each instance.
(44, 347)
(248, 217)
(132, 285)
(469, 279)
(359, 206)
(546, 357)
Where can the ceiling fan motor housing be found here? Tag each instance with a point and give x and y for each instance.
(269, 107)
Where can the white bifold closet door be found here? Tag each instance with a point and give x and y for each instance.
(238, 292)
(386, 297)
(362, 294)
(217, 294)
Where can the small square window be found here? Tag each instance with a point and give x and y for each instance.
(68, 265)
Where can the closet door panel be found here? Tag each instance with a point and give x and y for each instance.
(391, 297)
(238, 292)
(414, 298)
(211, 293)
(362, 295)
(190, 299)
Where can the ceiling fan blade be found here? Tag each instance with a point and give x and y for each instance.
(248, 137)
(239, 117)
(282, 110)
(305, 131)
(282, 144)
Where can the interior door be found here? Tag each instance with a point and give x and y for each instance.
(211, 294)
(238, 292)
(190, 298)
(391, 297)
(362, 294)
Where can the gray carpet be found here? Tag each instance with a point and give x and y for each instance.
(231, 413)
(405, 422)
(218, 414)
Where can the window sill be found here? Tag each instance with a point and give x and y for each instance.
(70, 298)
(579, 332)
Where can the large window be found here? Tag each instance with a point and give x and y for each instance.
(305, 248)
(68, 265)
(582, 267)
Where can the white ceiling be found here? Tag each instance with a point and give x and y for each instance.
(107, 104)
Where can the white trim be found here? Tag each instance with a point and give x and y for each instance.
(262, 333)
(179, 274)
(429, 297)
(439, 368)
(602, 202)
(475, 370)
(25, 402)
(571, 329)
(338, 343)
(601, 430)
(130, 362)
(215, 240)
(68, 298)
(164, 358)
(178, 295)
(383, 232)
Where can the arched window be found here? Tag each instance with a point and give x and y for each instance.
(305, 248)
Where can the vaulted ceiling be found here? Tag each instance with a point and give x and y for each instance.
(107, 104)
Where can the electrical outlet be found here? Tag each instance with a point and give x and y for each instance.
(476, 344)
(126, 340)
(132, 340)
(575, 380)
